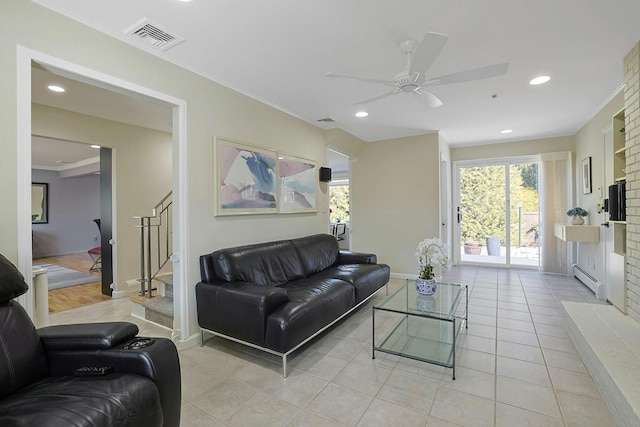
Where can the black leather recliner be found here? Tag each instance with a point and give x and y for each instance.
(94, 374)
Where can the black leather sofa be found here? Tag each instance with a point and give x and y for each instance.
(94, 374)
(276, 296)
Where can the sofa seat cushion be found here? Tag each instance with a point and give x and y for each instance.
(111, 400)
(313, 304)
(365, 278)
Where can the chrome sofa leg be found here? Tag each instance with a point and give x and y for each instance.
(201, 338)
(284, 366)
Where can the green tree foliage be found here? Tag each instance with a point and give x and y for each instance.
(529, 173)
(339, 203)
(483, 201)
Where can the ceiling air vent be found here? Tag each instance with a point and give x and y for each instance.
(151, 33)
(326, 120)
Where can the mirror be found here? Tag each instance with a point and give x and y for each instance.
(39, 203)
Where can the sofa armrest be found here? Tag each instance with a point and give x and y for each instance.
(157, 360)
(86, 336)
(237, 309)
(346, 257)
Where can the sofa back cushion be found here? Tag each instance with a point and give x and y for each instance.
(317, 252)
(22, 358)
(12, 283)
(264, 264)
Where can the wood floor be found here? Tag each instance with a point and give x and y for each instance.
(74, 296)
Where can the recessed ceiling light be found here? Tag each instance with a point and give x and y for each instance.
(362, 114)
(95, 146)
(55, 88)
(539, 80)
(506, 131)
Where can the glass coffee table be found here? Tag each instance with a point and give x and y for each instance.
(425, 328)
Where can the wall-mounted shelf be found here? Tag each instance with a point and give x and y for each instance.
(619, 147)
(621, 152)
(577, 233)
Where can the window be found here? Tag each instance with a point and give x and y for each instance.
(339, 201)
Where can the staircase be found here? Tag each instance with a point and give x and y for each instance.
(155, 253)
(159, 308)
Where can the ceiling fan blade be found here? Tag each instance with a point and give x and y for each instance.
(384, 95)
(469, 75)
(424, 56)
(427, 98)
(359, 78)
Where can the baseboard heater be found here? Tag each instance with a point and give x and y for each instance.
(591, 282)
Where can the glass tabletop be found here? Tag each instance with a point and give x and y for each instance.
(442, 304)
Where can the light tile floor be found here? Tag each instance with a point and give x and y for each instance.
(515, 367)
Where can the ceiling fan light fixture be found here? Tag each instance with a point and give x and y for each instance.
(505, 131)
(539, 80)
(362, 114)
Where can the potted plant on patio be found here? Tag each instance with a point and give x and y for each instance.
(472, 247)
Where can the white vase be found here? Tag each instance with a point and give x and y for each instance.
(426, 286)
(577, 220)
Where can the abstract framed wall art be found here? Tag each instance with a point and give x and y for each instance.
(586, 175)
(245, 179)
(298, 184)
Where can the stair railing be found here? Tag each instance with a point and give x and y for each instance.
(156, 243)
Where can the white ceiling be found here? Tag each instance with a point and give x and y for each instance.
(53, 154)
(279, 52)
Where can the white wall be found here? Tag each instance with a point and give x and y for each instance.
(73, 205)
(446, 195)
(395, 191)
(211, 110)
(589, 143)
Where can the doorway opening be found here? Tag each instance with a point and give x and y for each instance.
(27, 59)
(340, 199)
(498, 213)
(69, 243)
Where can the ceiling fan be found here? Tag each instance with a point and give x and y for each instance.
(412, 79)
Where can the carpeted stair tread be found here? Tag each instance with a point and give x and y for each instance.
(168, 286)
(163, 305)
(159, 310)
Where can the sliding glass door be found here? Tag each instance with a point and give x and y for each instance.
(498, 213)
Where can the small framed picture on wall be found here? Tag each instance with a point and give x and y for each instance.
(586, 175)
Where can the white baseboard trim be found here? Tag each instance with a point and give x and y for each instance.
(138, 316)
(404, 276)
(120, 294)
(189, 342)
